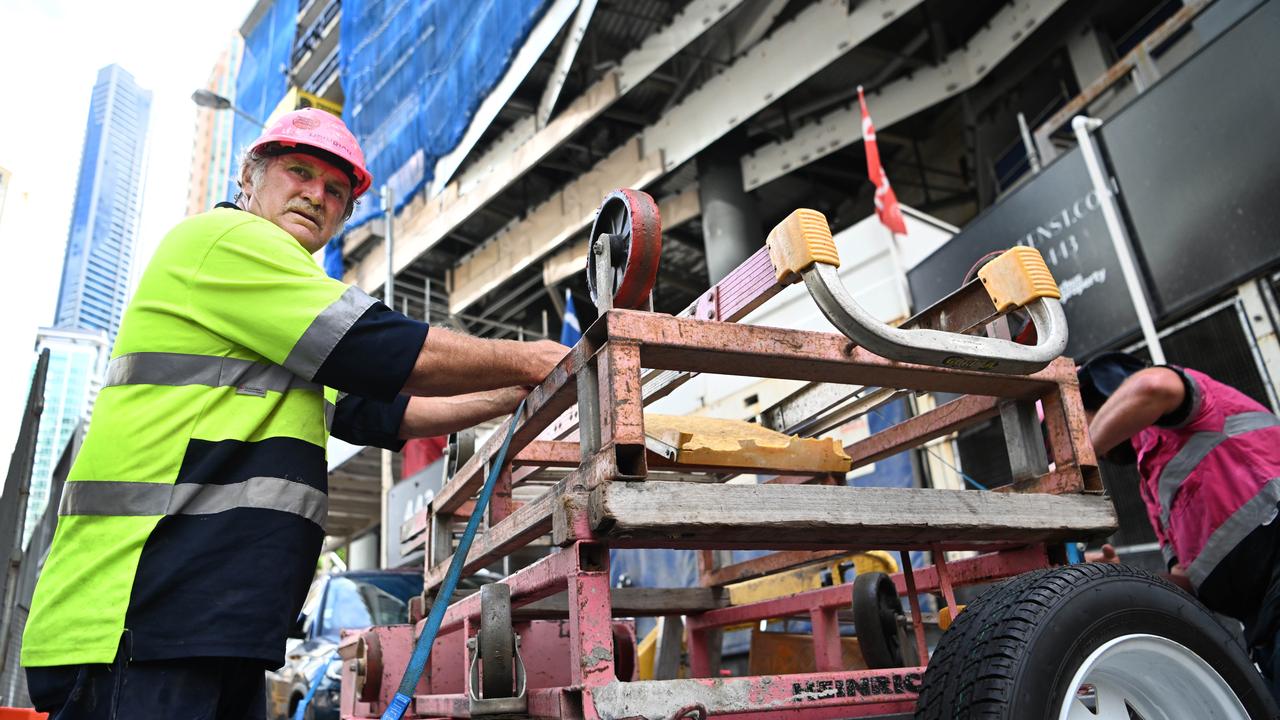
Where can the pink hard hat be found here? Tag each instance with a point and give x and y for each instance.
(315, 128)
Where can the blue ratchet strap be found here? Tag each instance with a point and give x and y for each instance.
(422, 652)
(301, 712)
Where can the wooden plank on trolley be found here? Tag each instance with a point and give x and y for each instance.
(816, 517)
(674, 343)
(528, 522)
(632, 602)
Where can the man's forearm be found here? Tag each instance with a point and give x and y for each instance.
(1138, 403)
(452, 363)
(433, 416)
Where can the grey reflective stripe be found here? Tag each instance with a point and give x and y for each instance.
(158, 368)
(1258, 511)
(1198, 448)
(136, 499)
(1170, 555)
(311, 350)
(329, 410)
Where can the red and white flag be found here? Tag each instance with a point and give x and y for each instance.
(886, 202)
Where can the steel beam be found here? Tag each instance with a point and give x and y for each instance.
(564, 61)
(961, 70)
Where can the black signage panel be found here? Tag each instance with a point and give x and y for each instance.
(1058, 213)
(1197, 160)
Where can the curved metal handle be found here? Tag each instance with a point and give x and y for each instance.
(937, 347)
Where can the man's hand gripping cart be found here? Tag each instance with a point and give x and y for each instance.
(587, 471)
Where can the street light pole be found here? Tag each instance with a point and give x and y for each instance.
(214, 101)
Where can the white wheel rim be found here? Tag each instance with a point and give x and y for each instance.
(1156, 677)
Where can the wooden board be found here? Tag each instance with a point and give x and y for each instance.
(814, 517)
(708, 441)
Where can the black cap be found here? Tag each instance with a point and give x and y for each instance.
(1101, 376)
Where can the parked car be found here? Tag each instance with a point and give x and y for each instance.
(336, 602)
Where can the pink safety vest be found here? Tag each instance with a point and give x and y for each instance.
(1213, 479)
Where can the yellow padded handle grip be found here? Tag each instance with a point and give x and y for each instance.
(798, 242)
(1017, 278)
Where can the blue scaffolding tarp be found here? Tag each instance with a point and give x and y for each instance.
(264, 75)
(414, 74)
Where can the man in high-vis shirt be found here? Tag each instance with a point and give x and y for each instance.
(1209, 461)
(192, 519)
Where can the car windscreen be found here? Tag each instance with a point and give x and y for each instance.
(360, 602)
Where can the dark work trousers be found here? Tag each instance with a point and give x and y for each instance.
(1245, 585)
(180, 689)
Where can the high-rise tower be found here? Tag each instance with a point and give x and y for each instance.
(104, 220)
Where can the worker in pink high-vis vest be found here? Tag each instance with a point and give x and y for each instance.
(1209, 461)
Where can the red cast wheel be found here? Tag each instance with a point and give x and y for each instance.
(629, 218)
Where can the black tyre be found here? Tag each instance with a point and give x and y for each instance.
(1090, 641)
(876, 609)
(496, 642)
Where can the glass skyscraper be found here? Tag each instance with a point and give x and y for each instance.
(77, 359)
(104, 220)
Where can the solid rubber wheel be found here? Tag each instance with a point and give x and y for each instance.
(876, 609)
(496, 642)
(630, 219)
(1090, 642)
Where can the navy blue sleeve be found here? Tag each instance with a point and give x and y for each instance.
(361, 421)
(375, 356)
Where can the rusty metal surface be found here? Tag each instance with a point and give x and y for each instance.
(684, 344)
(622, 407)
(749, 286)
(530, 521)
(944, 579)
(773, 696)
(964, 310)
(910, 433)
(372, 662)
(573, 584)
(969, 571)
(979, 569)
(828, 654)
(544, 404)
(913, 598)
(774, 562)
(591, 657)
(548, 453)
(634, 602)
(543, 578)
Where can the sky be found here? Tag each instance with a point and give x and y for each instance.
(50, 54)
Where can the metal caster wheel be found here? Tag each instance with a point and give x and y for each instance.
(628, 222)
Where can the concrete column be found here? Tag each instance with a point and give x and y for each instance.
(731, 228)
(362, 553)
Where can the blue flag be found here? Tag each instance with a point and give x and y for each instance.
(570, 331)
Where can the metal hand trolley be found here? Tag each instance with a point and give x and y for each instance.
(552, 639)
